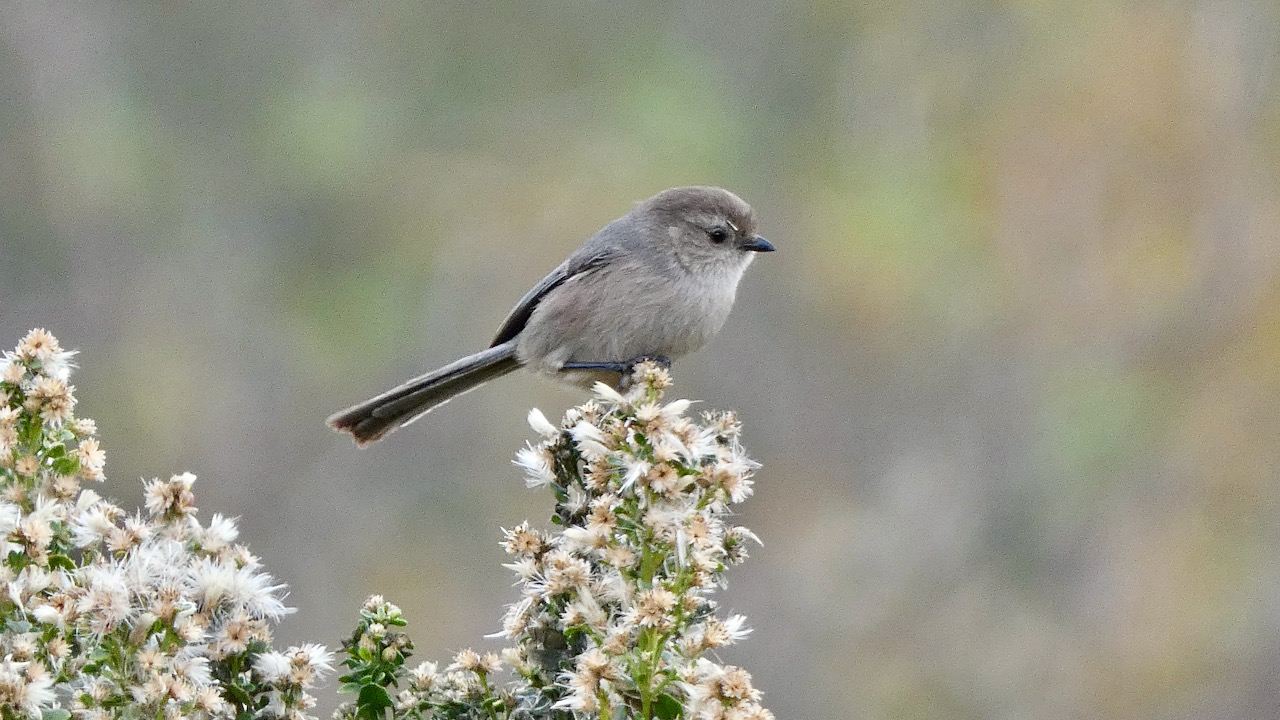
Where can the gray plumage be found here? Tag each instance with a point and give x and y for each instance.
(657, 282)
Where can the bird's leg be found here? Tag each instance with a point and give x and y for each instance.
(614, 367)
(625, 370)
(621, 368)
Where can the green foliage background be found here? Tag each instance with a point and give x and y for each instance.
(1012, 373)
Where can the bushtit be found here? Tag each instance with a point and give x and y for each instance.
(656, 283)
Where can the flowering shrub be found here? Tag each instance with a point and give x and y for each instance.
(108, 614)
(616, 616)
(154, 614)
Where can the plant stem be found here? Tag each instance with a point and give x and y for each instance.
(488, 694)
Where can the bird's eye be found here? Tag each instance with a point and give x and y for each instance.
(718, 234)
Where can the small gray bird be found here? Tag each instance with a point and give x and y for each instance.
(656, 283)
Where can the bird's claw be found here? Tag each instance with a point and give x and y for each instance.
(661, 361)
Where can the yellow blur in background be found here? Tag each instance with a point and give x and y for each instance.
(1012, 374)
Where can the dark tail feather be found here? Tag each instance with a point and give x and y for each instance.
(371, 419)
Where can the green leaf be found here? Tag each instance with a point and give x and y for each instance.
(61, 562)
(375, 697)
(349, 688)
(55, 714)
(69, 465)
(55, 451)
(29, 431)
(237, 694)
(667, 707)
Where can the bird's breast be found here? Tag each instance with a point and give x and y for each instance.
(615, 317)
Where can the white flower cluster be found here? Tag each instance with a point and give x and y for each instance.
(616, 618)
(617, 614)
(107, 614)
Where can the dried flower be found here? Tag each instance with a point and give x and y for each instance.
(39, 346)
(165, 609)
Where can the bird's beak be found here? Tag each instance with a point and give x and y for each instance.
(759, 244)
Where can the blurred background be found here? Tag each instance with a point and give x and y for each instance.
(1012, 373)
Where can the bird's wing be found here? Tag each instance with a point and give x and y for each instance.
(519, 315)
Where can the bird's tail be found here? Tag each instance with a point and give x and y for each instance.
(399, 406)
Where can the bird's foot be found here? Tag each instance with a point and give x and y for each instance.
(661, 361)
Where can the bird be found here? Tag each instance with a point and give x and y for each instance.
(654, 284)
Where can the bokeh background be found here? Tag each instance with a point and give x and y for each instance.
(1012, 373)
